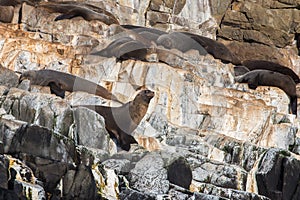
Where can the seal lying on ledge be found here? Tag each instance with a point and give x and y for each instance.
(88, 12)
(217, 49)
(181, 42)
(125, 48)
(59, 82)
(121, 121)
(257, 78)
(268, 65)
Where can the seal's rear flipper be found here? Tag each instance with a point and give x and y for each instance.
(56, 90)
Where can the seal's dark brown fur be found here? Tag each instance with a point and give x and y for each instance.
(257, 78)
(268, 65)
(217, 49)
(121, 121)
(60, 82)
(70, 10)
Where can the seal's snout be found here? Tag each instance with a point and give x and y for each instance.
(150, 94)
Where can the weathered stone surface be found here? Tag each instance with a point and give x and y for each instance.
(23, 182)
(121, 166)
(253, 51)
(8, 78)
(132, 194)
(107, 181)
(4, 164)
(41, 109)
(90, 129)
(277, 27)
(226, 193)
(41, 142)
(278, 175)
(149, 175)
(79, 184)
(206, 197)
(220, 175)
(219, 8)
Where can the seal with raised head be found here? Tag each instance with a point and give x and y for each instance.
(121, 121)
(59, 82)
(257, 78)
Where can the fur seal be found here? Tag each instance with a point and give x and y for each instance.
(89, 12)
(124, 48)
(121, 121)
(217, 49)
(180, 41)
(257, 78)
(268, 65)
(127, 48)
(60, 82)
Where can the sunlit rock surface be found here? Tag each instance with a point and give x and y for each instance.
(229, 142)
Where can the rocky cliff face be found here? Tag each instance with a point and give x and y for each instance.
(203, 137)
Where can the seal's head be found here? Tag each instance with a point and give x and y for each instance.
(30, 75)
(144, 96)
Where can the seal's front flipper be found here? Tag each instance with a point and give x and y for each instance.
(253, 82)
(126, 140)
(55, 89)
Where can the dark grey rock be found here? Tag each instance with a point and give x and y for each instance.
(6, 194)
(178, 195)
(149, 175)
(8, 78)
(90, 129)
(42, 142)
(50, 174)
(121, 166)
(79, 184)
(291, 177)
(227, 193)
(201, 196)
(180, 173)
(269, 173)
(8, 130)
(278, 175)
(128, 194)
(49, 155)
(90, 156)
(217, 173)
(42, 109)
(4, 164)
